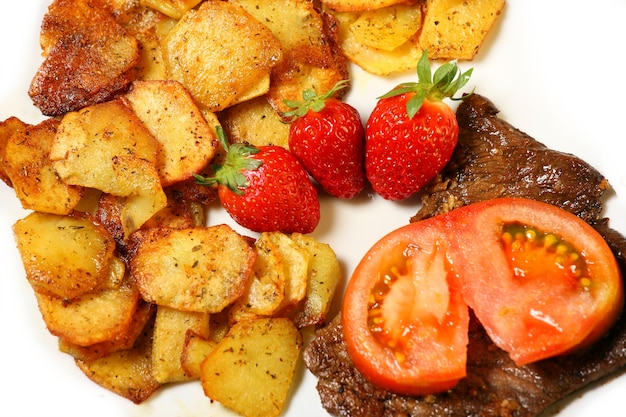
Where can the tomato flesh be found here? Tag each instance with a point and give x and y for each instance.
(404, 317)
(541, 281)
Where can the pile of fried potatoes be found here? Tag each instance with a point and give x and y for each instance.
(387, 36)
(125, 271)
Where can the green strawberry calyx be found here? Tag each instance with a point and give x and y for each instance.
(444, 83)
(236, 161)
(310, 101)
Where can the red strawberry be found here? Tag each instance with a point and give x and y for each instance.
(327, 136)
(265, 188)
(411, 133)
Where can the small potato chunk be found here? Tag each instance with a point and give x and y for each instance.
(311, 58)
(456, 30)
(168, 341)
(201, 269)
(374, 60)
(296, 263)
(324, 275)
(29, 169)
(172, 8)
(91, 318)
(358, 5)
(106, 147)
(7, 129)
(195, 350)
(251, 369)
(127, 373)
(123, 341)
(187, 143)
(89, 57)
(389, 27)
(219, 52)
(255, 122)
(266, 289)
(64, 256)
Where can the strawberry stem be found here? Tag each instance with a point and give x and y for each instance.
(311, 101)
(445, 83)
(237, 160)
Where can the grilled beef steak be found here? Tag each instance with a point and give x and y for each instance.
(493, 159)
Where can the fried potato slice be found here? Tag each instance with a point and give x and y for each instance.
(7, 128)
(168, 111)
(358, 5)
(27, 165)
(296, 263)
(324, 274)
(195, 350)
(172, 8)
(374, 60)
(266, 289)
(64, 256)
(389, 27)
(456, 30)
(89, 57)
(91, 318)
(311, 57)
(168, 341)
(127, 373)
(200, 269)
(106, 147)
(251, 369)
(219, 52)
(255, 122)
(123, 341)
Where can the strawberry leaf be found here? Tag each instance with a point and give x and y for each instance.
(444, 83)
(231, 172)
(310, 101)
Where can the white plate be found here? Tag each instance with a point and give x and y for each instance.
(555, 70)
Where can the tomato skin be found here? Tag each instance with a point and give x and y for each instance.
(542, 318)
(432, 364)
(535, 300)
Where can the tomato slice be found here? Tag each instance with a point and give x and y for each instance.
(541, 281)
(404, 319)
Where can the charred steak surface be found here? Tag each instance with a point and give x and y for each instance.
(493, 159)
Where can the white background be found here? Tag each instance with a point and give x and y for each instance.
(555, 69)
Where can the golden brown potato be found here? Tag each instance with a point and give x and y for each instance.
(91, 318)
(266, 288)
(358, 5)
(251, 369)
(195, 350)
(311, 57)
(168, 341)
(172, 8)
(296, 263)
(201, 269)
(123, 341)
(371, 59)
(219, 52)
(64, 256)
(29, 169)
(324, 274)
(127, 373)
(456, 30)
(187, 142)
(89, 57)
(255, 122)
(106, 147)
(7, 129)
(389, 27)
